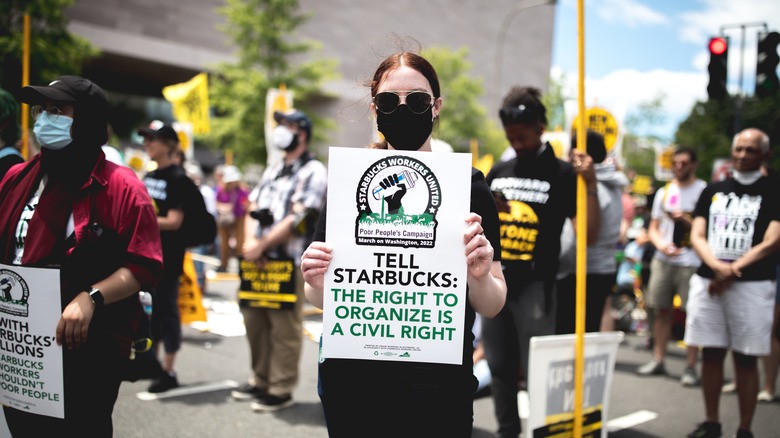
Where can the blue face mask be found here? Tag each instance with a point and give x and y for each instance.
(55, 134)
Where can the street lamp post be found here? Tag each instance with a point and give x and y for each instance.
(501, 37)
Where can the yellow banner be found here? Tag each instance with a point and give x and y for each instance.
(190, 298)
(190, 102)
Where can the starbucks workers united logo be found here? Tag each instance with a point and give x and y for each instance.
(398, 198)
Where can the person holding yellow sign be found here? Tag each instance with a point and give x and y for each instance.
(283, 209)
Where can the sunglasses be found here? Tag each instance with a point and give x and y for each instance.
(517, 114)
(418, 102)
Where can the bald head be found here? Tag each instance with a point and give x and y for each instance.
(753, 136)
(749, 150)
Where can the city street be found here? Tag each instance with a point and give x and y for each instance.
(212, 362)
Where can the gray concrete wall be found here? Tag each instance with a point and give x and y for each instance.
(166, 41)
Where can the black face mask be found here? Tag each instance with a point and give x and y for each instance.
(405, 130)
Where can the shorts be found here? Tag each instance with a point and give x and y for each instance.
(740, 318)
(666, 280)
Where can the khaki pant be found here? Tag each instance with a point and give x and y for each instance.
(275, 340)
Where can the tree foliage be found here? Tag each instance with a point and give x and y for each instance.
(638, 148)
(263, 32)
(711, 125)
(53, 50)
(462, 117)
(553, 101)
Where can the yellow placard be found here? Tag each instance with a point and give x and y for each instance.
(665, 158)
(601, 121)
(642, 185)
(190, 297)
(272, 287)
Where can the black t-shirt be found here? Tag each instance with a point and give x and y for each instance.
(540, 193)
(737, 219)
(166, 187)
(483, 204)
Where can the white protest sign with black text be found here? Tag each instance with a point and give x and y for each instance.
(31, 377)
(551, 384)
(396, 286)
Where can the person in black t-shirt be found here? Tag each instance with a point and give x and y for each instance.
(412, 399)
(539, 194)
(166, 187)
(736, 233)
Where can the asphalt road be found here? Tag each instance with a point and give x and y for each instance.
(215, 358)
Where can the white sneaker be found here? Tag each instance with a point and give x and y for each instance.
(689, 377)
(765, 396)
(652, 368)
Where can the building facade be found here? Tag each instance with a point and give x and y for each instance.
(148, 44)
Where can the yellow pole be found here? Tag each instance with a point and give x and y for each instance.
(229, 157)
(582, 231)
(25, 82)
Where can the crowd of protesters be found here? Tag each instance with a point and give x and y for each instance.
(682, 242)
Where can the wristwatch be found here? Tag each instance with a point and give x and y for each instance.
(96, 296)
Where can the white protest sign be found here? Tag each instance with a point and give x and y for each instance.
(31, 377)
(396, 286)
(551, 384)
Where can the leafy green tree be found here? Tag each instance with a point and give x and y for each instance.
(553, 101)
(53, 50)
(462, 117)
(711, 125)
(263, 31)
(638, 151)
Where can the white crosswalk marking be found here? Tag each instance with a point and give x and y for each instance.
(188, 390)
(630, 420)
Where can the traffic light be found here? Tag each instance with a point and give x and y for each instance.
(767, 83)
(719, 52)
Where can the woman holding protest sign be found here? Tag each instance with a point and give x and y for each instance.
(411, 398)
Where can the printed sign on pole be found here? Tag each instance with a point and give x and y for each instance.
(396, 286)
(601, 121)
(663, 162)
(551, 384)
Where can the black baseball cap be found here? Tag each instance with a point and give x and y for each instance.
(159, 130)
(295, 116)
(69, 89)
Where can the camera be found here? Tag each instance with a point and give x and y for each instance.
(263, 216)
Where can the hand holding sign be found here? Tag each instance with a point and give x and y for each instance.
(479, 252)
(314, 263)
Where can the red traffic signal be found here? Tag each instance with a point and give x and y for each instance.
(718, 45)
(719, 52)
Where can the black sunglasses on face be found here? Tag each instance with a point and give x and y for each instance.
(517, 114)
(418, 102)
